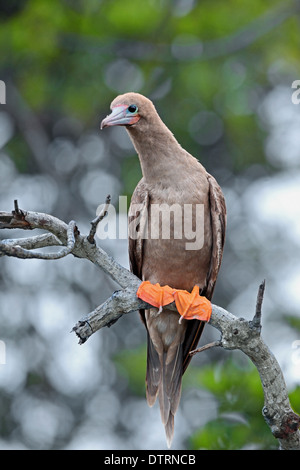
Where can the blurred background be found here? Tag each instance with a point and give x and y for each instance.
(220, 74)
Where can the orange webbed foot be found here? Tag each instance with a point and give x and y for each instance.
(190, 305)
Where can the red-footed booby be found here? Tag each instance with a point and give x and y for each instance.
(189, 199)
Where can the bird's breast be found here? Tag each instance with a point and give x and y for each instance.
(177, 245)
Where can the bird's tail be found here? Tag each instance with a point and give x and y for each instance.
(163, 378)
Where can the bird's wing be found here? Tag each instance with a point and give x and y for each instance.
(218, 224)
(137, 227)
(218, 227)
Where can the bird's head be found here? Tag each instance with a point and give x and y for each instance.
(128, 110)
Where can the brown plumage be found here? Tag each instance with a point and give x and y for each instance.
(173, 177)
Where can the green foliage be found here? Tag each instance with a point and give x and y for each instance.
(131, 364)
(133, 19)
(293, 321)
(240, 423)
(238, 391)
(295, 399)
(131, 174)
(61, 54)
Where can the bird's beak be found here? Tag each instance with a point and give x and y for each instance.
(119, 117)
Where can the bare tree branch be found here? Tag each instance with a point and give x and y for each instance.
(13, 249)
(28, 220)
(236, 333)
(31, 243)
(256, 322)
(95, 222)
(205, 347)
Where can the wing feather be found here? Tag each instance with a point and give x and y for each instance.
(137, 225)
(218, 226)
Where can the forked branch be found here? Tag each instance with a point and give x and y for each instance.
(236, 333)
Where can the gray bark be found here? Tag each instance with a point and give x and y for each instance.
(236, 333)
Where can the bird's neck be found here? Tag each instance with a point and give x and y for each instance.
(158, 151)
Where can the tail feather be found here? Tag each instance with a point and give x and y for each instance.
(153, 375)
(166, 343)
(164, 380)
(169, 430)
(170, 390)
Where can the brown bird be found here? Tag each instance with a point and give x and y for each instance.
(189, 199)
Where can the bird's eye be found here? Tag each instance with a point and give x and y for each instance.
(132, 108)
